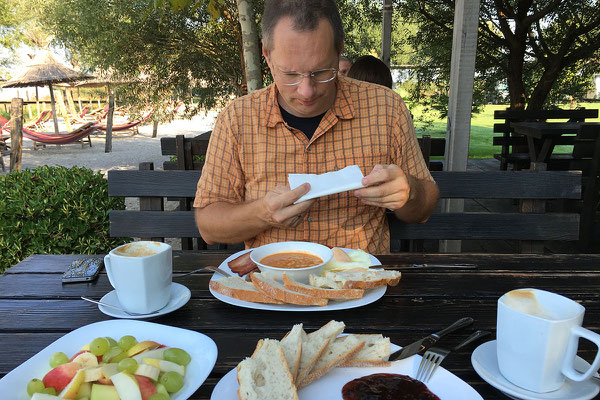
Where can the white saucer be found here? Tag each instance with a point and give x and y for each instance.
(180, 295)
(485, 362)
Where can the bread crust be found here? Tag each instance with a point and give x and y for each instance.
(241, 294)
(286, 296)
(323, 293)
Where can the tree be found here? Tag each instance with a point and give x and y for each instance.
(537, 48)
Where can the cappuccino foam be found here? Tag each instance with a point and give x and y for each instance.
(526, 302)
(138, 249)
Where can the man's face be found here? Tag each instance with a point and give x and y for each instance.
(304, 52)
(344, 67)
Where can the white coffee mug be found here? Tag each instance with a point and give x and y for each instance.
(141, 273)
(537, 338)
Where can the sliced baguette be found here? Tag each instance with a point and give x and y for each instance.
(355, 279)
(266, 376)
(314, 344)
(291, 344)
(375, 352)
(320, 292)
(240, 289)
(337, 352)
(276, 290)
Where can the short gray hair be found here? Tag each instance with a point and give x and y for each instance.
(306, 15)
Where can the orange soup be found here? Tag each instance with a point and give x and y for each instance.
(291, 259)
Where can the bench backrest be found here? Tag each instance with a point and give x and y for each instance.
(155, 185)
(184, 149)
(432, 147)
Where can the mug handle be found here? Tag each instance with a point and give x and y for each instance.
(108, 269)
(567, 369)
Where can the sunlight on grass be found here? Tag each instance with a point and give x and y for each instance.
(482, 124)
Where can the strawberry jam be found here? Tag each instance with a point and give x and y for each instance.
(387, 387)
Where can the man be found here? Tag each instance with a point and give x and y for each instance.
(310, 121)
(344, 66)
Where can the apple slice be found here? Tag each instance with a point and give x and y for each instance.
(156, 353)
(148, 371)
(44, 396)
(85, 391)
(165, 365)
(104, 392)
(86, 360)
(70, 391)
(147, 388)
(141, 346)
(127, 386)
(59, 377)
(93, 374)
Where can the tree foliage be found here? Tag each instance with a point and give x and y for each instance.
(538, 50)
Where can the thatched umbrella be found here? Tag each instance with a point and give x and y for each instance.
(45, 70)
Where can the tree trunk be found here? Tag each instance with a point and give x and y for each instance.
(250, 45)
(514, 77)
(543, 87)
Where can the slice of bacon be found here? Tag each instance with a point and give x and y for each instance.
(242, 264)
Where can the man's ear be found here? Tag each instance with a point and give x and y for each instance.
(265, 54)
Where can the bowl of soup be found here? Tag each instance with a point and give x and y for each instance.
(296, 259)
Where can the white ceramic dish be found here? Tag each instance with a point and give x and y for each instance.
(444, 384)
(297, 274)
(485, 363)
(201, 348)
(180, 295)
(370, 296)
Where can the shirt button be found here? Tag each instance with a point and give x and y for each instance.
(310, 219)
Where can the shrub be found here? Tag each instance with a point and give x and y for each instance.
(54, 210)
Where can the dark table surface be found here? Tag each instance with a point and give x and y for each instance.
(543, 136)
(36, 309)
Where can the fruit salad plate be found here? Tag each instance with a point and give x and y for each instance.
(201, 348)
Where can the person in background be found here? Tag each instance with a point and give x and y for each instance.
(371, 69)
(310, 121)
(344, 65)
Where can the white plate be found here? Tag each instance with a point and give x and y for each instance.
(201, 348)
(444, 384)
(485, 362)
(370, 296)
(180, 295)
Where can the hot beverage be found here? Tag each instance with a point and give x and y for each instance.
(138, 249)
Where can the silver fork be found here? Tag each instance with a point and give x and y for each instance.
(434, 356)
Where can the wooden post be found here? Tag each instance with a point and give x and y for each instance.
(54, 117)
(109, 123)
(386, 32)
(155, 128)
(16, 133)
(37, 101)
(79, 101)
(70, 103)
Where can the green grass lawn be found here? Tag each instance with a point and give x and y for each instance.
(482, 124)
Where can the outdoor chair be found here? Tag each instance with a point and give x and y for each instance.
(51, 138)
(127, 127)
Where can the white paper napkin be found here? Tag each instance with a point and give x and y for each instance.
(345, 179)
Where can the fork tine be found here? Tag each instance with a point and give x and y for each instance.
(423, 364)
(434, 364)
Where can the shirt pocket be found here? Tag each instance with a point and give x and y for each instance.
(365, 161)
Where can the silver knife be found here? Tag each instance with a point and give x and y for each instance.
(428, 341)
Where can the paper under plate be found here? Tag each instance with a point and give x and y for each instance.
(370, 296)
(444, 384)
(201, 348)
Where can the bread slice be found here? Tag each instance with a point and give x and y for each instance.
(240, 289)
(314, 344)
(375, 352)
(291, 344)
(266, 376)
(322, 293)
(356, 279)
(274, 289)
(337, 352)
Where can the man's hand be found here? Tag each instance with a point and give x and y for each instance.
(387, 186)
(279, 210)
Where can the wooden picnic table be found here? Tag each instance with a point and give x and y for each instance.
(542, 137)
(36, 309)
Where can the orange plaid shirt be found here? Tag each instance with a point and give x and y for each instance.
(252, 150)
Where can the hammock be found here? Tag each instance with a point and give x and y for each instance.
(52, 138)
(127, 126)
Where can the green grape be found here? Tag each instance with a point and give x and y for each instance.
(160, 388)
(57, 359)
(127, 342)
(177, 356)
(49, 390)
(99, 346)
(114, 355)
(158, 396)
(127, 365)
(35, 386)
(112, 342)
(172, 381)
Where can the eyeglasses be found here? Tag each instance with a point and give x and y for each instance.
(320, 76)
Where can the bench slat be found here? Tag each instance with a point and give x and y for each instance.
(153, 183)
(126, 223)
(490, 226)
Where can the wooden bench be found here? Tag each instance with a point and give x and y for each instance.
(531, 226)
(514, 148)
(432, 147)
(153, 222)
(186, 150)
